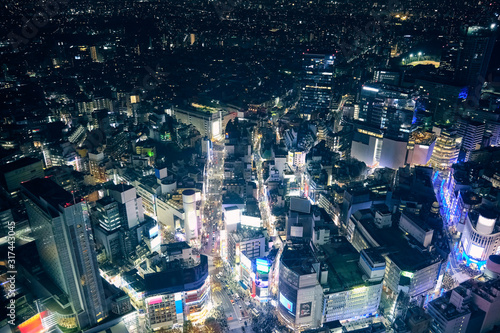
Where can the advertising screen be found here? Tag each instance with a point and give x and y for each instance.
(476, 251)
(215, 128)
(155, 300)
(305, 309)
(34, 324)
(245, 261)
(251, 221)
(155, 242)
(286, 303)
(153, 232)
(262, 265)
(232, 215)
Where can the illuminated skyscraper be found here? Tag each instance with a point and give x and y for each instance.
(316, 91)
(388, 108)
(446, 150)
(472, 136)
(475, 53)
(61, 226)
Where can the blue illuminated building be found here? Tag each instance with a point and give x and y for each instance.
(481, 236)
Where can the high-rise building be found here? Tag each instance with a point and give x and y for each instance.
(475, 52)
(300, 293)
(451, 313)
(481, 236)
(388, 108)
(472, 136)
(108, 214)
(317, 83)
(129, 204)
(446, 150)
(61, 226)
(24, 169)
(179, 289)
(352, 284)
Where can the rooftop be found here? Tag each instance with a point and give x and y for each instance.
(177, 279)
(20, 163)
(343, 270)
(399, 251)
(47, 189)
(443, 306)
(299, 258)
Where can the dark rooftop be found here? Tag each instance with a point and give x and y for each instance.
(299, 258)
(51, 192)
(20, 163)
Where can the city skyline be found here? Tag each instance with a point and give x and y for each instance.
(262, 166)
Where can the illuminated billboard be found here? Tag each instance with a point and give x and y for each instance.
(34, 324)
(245, 261)
(155, 243)
(262, 265)
(251, 221)
(286, 303)
(153, 232)
(407, 274)
(476, 252)
(155, 300)
(232, 215)
(305, 309)
(178, 303)
(216, 129)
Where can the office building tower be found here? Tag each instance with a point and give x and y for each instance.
(179, 289)
(207, 120)
(420, 148)
(440, 100)
(129, 204)
(6, 218)
(467, 201)
(388, 108)
(108, 214)
(352, 282)
(474, 306)
(446, 150)
(252, 243)
(24, 169)
(451, 313)
(448, 66)
(317, 83)
(107, 231)
(61, 227)
(476, 47)
(486, 297)
(299, 291)
(472, 136)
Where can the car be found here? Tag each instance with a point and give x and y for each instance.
(232, 301)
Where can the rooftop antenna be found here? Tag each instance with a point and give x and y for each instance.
(73, 194)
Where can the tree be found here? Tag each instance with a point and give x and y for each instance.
(168, 237)
(216, 286)
(218, 263)
(212, 325)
